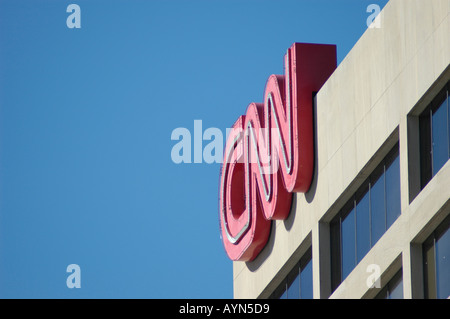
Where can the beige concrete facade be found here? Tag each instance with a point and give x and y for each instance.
(370, 103)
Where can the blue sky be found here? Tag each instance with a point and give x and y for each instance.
(86, 116)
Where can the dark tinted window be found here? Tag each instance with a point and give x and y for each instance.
(348, 243)
(443, 265)
(392, 192)
(365, 217)
(306, 281)
(298, 283)
(394, 289)
(436, 255)
(439, 136)
(363, 226)
(434, 124)
(378, 221)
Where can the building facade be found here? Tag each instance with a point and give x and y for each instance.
(375, 222)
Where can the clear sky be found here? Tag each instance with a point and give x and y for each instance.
(86, 117)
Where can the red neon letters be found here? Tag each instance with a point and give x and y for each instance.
(270, 151)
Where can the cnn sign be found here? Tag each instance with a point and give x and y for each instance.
(269, 153)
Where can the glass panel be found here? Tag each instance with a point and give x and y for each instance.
(393, 192)
(348, 244)
(443, 266)
(306, 285)
(284, 295)
(335, 244)
(439, 137)
(293, 291)
(429, 270)
(378, 225)
(396, 288)
(362, 227)
(448, 121)
(425, 148)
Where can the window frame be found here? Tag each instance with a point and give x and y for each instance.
(295, 273)
(429, 250)
(336, 256)
(427, 171)
(386, 291)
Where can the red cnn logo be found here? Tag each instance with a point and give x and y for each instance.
(269, 152)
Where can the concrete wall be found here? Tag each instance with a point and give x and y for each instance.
(369, 103)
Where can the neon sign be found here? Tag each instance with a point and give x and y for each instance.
(269, 153)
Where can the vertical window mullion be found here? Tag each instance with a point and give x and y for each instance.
(300, 281)
(385, 196)
(448, 126)
(370, 212)
(435, 266)
(356, 238)
(341, 250)
(431, 140)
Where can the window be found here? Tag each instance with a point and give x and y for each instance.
(434, 126)
(365, 217)
(298, 284)
(394, 289)
(436, 262)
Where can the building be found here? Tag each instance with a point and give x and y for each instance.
(375, 222)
